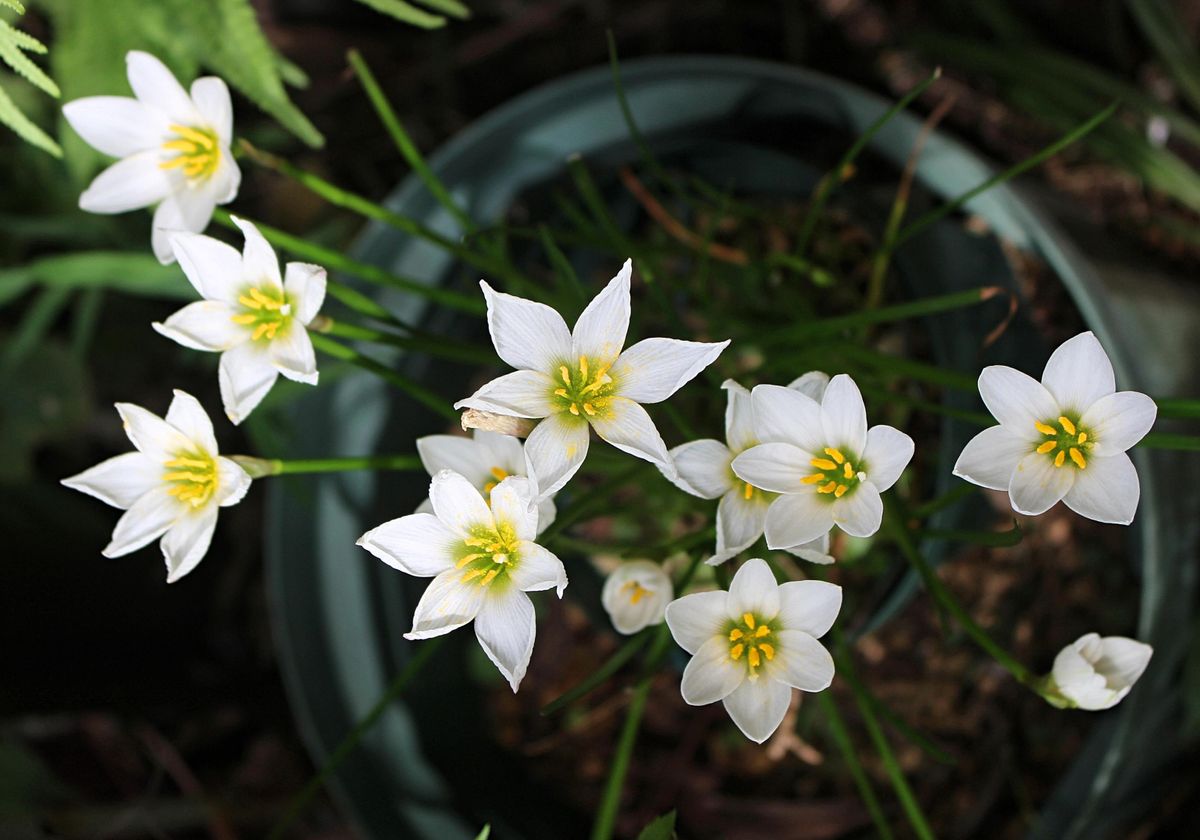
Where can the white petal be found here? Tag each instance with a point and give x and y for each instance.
(782, 415)
(292, 353)
(1107, 491)
(304, 285)
(185, 210)
(887, 454)
(695, 619)
(510, 502)
(1037, 485)
(459, 504)
(811, 384)
(187, 415)
(1122, 661)
(547, 513)
(527, 335)
(130, 183)
(777, 467)
(796, 519)
(506, 627)
(187, 541)
(801, 661)
(636, 595)
(1079, 373)
(119, 481)
(503, 451)
(809, 605)
(753, 590)
(157, 86)
(447, 604)
(843, 414)
(599, 333)
(990, 458)
(211, 266)
(711, 675)
(860, 512)
(740, 522)
(1078, 681)
(1016, 399)
(522, 393)
(150, 434)
(759, 707)
(1118, 421)
(145, 521)
(204, 325)
(116, 125)
(233, 483)
(702, 468)
(538, 569)
(452, 452)
(418, 544)
(654, 369)
(814, 551)
(211, 98)
(260, 266)
(739, 418)
(627, 426)
(554, 452)
(224, 183)
(245, 375)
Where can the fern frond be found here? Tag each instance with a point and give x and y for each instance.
(407, 13)
(11, 44)
(11, 116)
(14, 5)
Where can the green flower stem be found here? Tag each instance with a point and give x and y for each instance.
(622, 655)
(263, 467)
(414, 389)
(424, 652)
(425, 343)
(1163, 440)
(837, 728)
(592, 503)
(1178, 407)
(336, 261)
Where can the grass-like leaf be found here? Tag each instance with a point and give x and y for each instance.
(406, 13)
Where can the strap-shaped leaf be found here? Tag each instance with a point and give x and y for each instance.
(406, 12)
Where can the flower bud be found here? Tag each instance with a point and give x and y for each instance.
(1096, 673)
(636, 595)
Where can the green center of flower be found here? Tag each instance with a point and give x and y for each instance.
(1067, 443)
(198, 152)
(753, 640)
(192, 476)
(265, 312)
(489, 555)
(583, 389)
(837, 474)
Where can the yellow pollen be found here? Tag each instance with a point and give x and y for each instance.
(748, 491)
(768, 650)
(583, 367)
(827, 488)
(197, 152)
(1048, 446)
(1060, 458)
(260, 331)
(1067, 425)
(823, 464)
(187, 462)
(1077, 457)
(499, 473)
(193, 479)
(639, 591)
(489, 577)
(813, 479)
(476, 542)
(601, 380)
(565, 374)
(249, 302)
(1046, 430)
(1082, 437)
(470, 558)
(735, 634)
(755, 659)
(575, 409)
(561, 392)
(840, 491)
(589, 409)
(835, 454)
(471, 575)
(246, 319)
(763, 630)
(748, 620)
(735, 652)
(847, 470)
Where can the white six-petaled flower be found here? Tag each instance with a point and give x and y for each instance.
(1061, 439)
(636, 595)
(827, 466)
(171, 487)
(482, 560)
(573, 380)
(485, 460)
(174, 149)
(752, 645)
(703, 469)
(256, 319)
(1096, 673)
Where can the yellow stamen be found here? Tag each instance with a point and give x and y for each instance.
(763, 630)
(847, 470)
(561, 392)
(735, 652)
(188, 462)
(468, 559)
(735, 634)
(173, 163)
(835, 454)
(813, 479)
(748, 491)
(1067, 425)
(589, 409)
(565, 374)
(575, 409)
(246, 319)
(840, 491)
(489, 577)
(1060, 458)
(748, 620)
(583, 368)
(183, 475)
(1082, 437)
(1044, 429)
(823, 464)
(197, 137)
(249, 302)
(260, 331)
(755, 659)
(1048, 446)
(827, 488)
(476, 542)
(1077, 457)
(499, 473)
(768, 650)
(471, 575)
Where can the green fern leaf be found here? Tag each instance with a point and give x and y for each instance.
(407, 13)
(10, 50)
(14, 5)
(26, 41)
(11, 116)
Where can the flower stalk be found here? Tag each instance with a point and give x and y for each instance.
(263, 467)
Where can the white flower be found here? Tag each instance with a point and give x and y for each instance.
(581, 378)
(703, 468)
(752, 645)
(482, 560)
(827, 465)
(484, 460)
(250, 315)
(171, 487)
(174, 149)
(1063, 438)
(1096, 673)
(636, 595)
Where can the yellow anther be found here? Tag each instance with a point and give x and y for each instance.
(639, 591)
(735, 634)
(1082, 437)
(499, 474)
(583, 368)
(188, 462)
(748, 491)
(748, 620)
(755, 659)
(589, 409)
(561, 392)
(489, 577)
(1060, 458)
(249, 302)
(468, 559)
(565, 374)
(1044, 429)
(260, 331)
(173, 163)
(494, 547)
(1067, 425)
(840, 491)
(763, 630)
(736, 652)
(1077, 457)
(246, 319)
(847, 470)
(768, 650)
(835, 454)
(828, 488)
(200, 138)
(823, 464)
(602, 379)
(183, 475)
(574, 409)
(1048, 446)
(813, 479)
(471, 575)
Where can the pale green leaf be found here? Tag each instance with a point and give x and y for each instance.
(11, 44)
(11, 116)
(406, 13)
(660, 828)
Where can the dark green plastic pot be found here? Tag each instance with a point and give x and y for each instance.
(429, 768)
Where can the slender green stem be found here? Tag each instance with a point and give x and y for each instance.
(1163, 440)
(1178, 407)
(424, 652)
(622, 655)
(432, 345)
(610, 802)
(950, 497)
(262, 467)
(564, 272)
(595, 500)
(414, 389)
(837, 728)
(993, 539)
